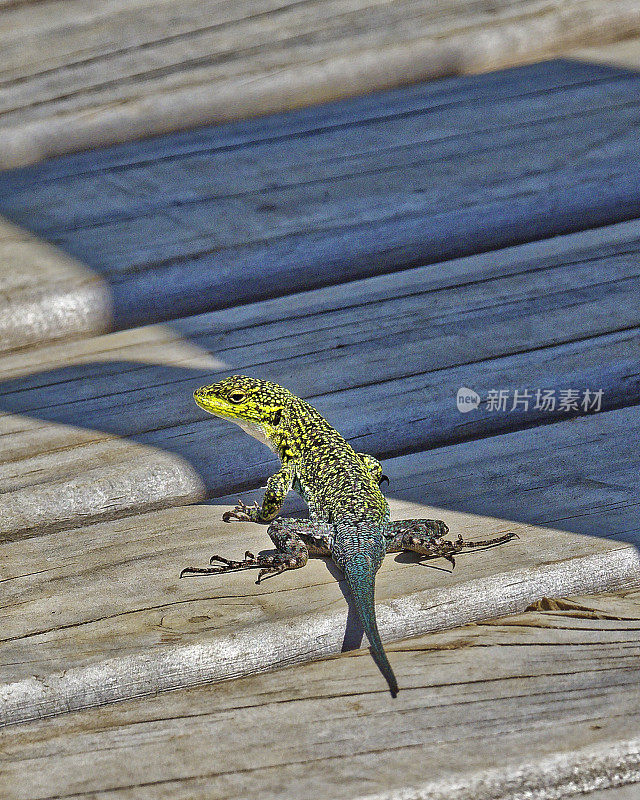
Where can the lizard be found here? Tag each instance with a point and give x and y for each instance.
(348, 514)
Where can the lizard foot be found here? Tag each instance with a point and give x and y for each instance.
(426, 537)
(449, 550)
(267, 564)
(242, 512)
(250, 562)
(506, 537)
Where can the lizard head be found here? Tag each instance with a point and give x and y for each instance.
(255, 405)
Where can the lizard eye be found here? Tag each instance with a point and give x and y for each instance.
(236, 397)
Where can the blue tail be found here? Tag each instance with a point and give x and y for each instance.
(360, 574)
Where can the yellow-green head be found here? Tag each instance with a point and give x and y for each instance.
(255, 405)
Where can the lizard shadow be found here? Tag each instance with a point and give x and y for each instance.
(407, 557)
(354, 632)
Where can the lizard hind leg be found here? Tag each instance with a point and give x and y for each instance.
(427, 538)
(293, 538)
(426, 533)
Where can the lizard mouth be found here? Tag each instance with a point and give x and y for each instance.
(221, 408)
(212, 404)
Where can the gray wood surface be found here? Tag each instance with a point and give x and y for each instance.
(45, 294)
(107, 426)
(78, 75)
(98, 614)
(628, 792)
(543, 704)
(227, 215)
(625, 53)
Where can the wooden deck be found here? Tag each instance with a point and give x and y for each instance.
(375, 255)
(543, 704)
(77, 75)
(87, 422)
(227, 215)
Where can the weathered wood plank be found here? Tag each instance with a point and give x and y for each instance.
(77, 75)
(628, 792)
(100, 615)
(45, 294)
(625, 53)
(538, 705)
(576, 475)
(382, 359)
(228, 215)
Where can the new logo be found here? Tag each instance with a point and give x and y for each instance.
(467, 400)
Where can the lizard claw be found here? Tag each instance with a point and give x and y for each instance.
(249, 561)
(241, 513)
(202, 571)
(270, 570)
(224, 561)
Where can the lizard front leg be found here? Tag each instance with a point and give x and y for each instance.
(277, 487)
(294, 540)
(426, 537)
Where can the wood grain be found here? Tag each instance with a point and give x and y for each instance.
(628, 792)
(223, 216)
(543, 704)
(76, 75)
(625, 53)
(106, 426)
(100, 615)
(45, 294)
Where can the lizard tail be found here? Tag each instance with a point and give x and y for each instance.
(360, 574)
